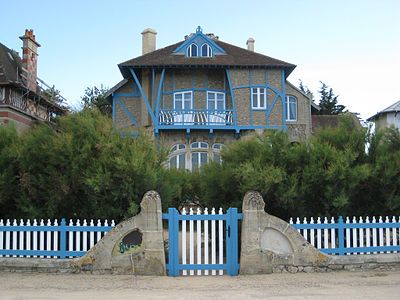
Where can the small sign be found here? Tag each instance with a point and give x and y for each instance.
(132, 241)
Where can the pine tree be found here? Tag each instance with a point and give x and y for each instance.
(329, 101)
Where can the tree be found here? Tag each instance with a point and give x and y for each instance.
(305, 89)
(94, 98)
(328, 101)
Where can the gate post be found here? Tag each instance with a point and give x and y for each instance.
(173, 242)
(232, 241)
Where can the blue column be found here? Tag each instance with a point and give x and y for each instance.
(341, 249)
(173, 242)
(63, 238)
(232, 242)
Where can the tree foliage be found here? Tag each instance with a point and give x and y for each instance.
(95, 99)
(84, 169)
(329, 101)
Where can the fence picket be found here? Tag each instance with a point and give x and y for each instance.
(354, 230)
(206, 241)
(312, 233)
(71, 237)
(333, 234)
(184, 272)
(361, 234)
(55, 238)
(305, 232)
(394, 234)
(48, 238)
(367, 235)
(21, 237)
(319, 234)
(35, 239)
(221, 243)
(41, 237)
(374, 235)
(8, 240)
(14, 237)
(1, 236)
(91, 234)
(387, 233)
(98, 235)
(213, 242)
(191, 243)
(84, 237)
(326, 234)
(348, 241)
(198, 241)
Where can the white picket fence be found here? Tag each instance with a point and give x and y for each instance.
(352, 236)
(51, 238)
(199, 243)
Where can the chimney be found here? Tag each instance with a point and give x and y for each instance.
(29, 57)
(148, 40)
(250, 44)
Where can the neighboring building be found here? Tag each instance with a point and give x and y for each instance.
(24, 98)
(389, 117)
(201, 93)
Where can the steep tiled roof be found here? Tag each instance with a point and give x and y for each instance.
(395, 107)
(10, 65)
(234, 57)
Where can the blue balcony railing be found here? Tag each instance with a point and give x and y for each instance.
(188, 117)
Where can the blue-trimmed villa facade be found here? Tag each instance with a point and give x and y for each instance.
(200, 94)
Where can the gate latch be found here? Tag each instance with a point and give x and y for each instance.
(229, 231)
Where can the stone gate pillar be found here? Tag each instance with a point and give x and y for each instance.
(268, 242)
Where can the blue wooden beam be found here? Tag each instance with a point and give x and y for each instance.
(228, 76)
(149, 109)
(160, 87)
(128, 113)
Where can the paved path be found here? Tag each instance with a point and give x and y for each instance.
(338, 285)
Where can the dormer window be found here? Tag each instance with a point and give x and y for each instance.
(192, 50)
(206, 50)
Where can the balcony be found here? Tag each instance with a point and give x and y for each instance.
(196, 118)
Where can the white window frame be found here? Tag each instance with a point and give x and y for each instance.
(189, 50)
(287, 105)
(183, 99)
(215, 100)
(198, 148)
(176, 152)
(209, 50)
(257, 92)
(2, 93)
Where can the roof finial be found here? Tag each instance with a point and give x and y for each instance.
(199, 29)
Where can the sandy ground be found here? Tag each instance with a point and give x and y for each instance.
(338, 285)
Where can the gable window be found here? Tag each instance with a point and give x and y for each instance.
(192, 50)
(199, 155)
(178, 157)
(291, 108)
(206, 50)
(258, 99)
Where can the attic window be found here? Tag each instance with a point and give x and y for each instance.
(192, 50)
(206, 50)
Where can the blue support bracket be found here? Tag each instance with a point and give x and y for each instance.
(150, 110)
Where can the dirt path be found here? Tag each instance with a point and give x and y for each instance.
(339, 285)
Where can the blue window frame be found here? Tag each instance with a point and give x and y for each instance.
(291, 108)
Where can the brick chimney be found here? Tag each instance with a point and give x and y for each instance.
(250, 44)
(148, 40)
(29, 58)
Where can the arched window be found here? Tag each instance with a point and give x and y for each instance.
(206, 50)
(192, 50)
(199, 154)
(217, 152)
(178, 157)
(291, 108)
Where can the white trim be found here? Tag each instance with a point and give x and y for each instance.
(183, 99)
(258, 94)
(209, 50)
(215, 100)
(189, 50)
(177, 151)
(287, 104)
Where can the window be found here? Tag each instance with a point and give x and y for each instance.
(291, 108)
(217, 152)
(183, 101)
(206, 50)
(215, 101)
(199, 155)
(2, 93)
(192, 50)
(258, 98)
(178, 157)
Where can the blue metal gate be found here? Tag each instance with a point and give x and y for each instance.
(227, 240)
